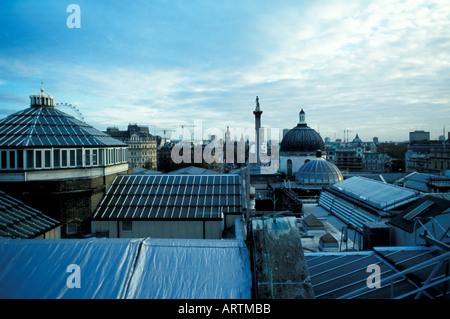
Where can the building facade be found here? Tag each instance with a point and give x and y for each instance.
(431, 157)
(419, 136)
(142, 146)
(440, 159)
(56, 163)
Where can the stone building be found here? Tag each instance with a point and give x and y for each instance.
(142, 151)
(58, 164)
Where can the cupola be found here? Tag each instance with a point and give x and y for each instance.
(42, 99)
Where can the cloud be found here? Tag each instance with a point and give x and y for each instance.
(368, 66)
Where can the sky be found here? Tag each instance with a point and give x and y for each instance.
(374, 68)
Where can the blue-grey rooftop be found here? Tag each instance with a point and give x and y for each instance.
(46, 126)
(405, 272)
(170, 196)
(18, 220)
(377, 194)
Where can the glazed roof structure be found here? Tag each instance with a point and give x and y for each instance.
(45, 126)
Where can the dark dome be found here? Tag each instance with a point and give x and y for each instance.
(302, 138)
(318, 172)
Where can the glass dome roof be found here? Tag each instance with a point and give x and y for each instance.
(318, 172)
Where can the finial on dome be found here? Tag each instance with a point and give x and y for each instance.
(42, 86)
(302, 117)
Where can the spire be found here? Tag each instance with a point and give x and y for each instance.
(42, 86)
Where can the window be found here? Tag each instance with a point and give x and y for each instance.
(72, 159)
(38, 158)
(56, 159)
(12, 159)
(72, 228)
(63, 158)
(95, 157)
(102, 157)
(127, 225)
(47, 159)
(4, 160)
(87, 156)
(79, 157)
(107, 157)
(30, 159)
(289, 167)
(20, 159)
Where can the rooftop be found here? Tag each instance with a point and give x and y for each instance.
(45, 126)
(18, 220)
(129, 269)
(377, 194)
(170, 196)
(403, 273)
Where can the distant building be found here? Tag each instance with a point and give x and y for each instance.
(359, 156)
(419, 136)
(440, 159)
(142, 151)
(349, 158)
(165, 162)
(418, 157)
(56, 163)
(376, 162)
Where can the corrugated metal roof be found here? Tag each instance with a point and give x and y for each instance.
(50, 127)
(170, 197)
(18, 220)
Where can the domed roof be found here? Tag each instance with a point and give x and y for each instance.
(43, 125)
(318, 172)
(302, 138)
(357, 139)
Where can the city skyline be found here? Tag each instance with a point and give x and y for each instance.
(373, 68)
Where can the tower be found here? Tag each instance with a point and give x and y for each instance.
(257, 113)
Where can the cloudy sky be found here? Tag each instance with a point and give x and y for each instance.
(376, 68)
